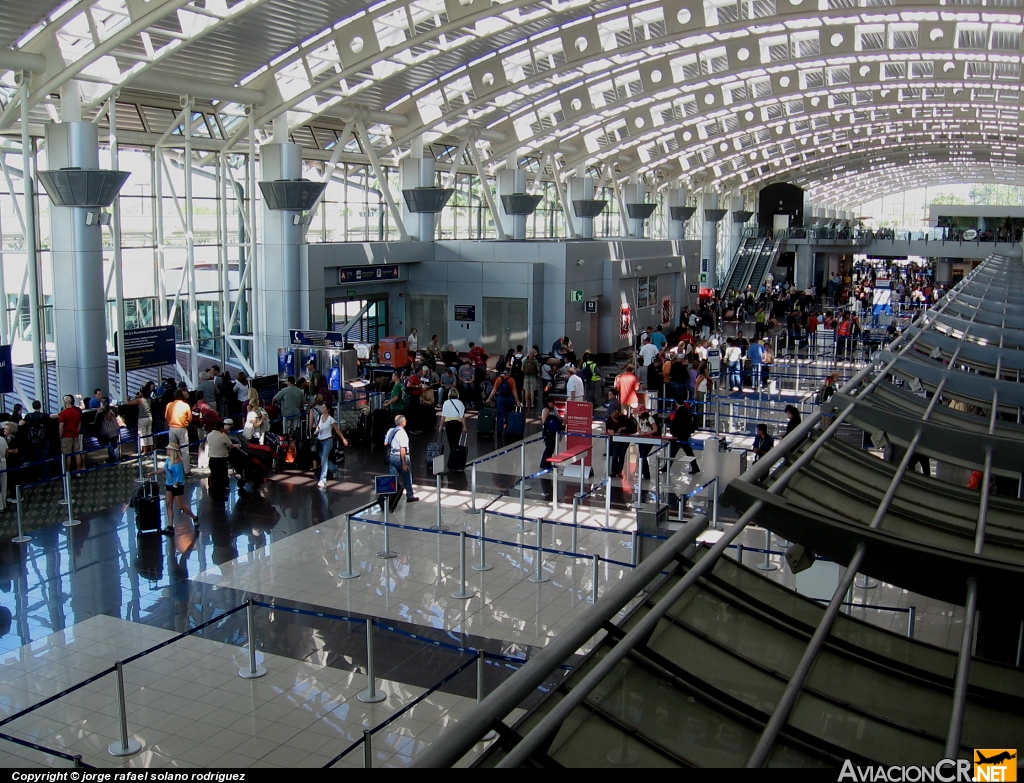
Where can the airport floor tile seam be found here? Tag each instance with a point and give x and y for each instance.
(300, 715)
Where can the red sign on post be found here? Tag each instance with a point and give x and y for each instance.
(579, 420)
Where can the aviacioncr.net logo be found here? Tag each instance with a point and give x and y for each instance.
(946, 771)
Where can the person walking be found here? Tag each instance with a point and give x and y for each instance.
(682, 426)
(627, 385)
(178, 415)
(453, 419)
(399, 463)
(326, 430)
(506, 398)
(174, 487)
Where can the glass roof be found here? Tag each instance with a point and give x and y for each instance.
(729, 94)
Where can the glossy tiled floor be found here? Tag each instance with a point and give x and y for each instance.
(73, 601)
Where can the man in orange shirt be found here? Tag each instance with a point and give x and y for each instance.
(627, 386)
(178, 416)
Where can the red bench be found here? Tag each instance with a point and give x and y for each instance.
(569, 455)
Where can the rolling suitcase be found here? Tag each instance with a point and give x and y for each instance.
(267, 456)
(516, 423)
(146, 502)
(459, 455)
(383, 420)
(485, 421)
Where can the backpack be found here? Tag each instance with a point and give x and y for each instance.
(505, 389)
(517, 363)
(37, 431)
(552, 423)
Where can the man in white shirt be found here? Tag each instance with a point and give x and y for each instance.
(574, 387)
(648, 351)
(414, 341)
(399, 461)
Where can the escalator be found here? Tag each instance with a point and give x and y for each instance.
(742, 264)
(766, 258)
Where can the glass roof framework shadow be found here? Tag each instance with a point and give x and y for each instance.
(720, 667)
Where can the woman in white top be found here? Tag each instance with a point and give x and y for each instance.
(326, 429)
(257, 423)
(453, 417)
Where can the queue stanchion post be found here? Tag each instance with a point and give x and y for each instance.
(140, 479)
(70, 521)
(595, 579)
(372, 694)
(538, 575)
(634, 545)
(912, 617)
(367, 750)
(21, 538)
(64, 483)
(575, 523)
(638, 482)
(713, 496)
(348, 573)
(125, 746)
(386, 553)
(472, 489)
(439, 525)
(481, 665)
(521, 527)
(483, 565)
(463, 593)
(522, 462)
(253, 671)
(767, 565)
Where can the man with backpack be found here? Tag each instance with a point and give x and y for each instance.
(507, 398)
(37, 438)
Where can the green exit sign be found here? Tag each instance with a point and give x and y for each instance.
(575, 296)
(350, 292)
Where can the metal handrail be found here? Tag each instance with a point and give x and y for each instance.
(461, 737)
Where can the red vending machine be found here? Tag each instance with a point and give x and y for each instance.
(394, 352)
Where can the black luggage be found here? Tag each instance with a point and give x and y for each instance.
(146, 502)
(485, 421)
(383, 420)
(303, 455)
(246, 467)
(458, 455)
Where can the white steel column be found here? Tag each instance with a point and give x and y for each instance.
(709, 238)
(190, 251)
(115, 229)
(277, 294)
(79, 299)
(511, 181)
(31, 261)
